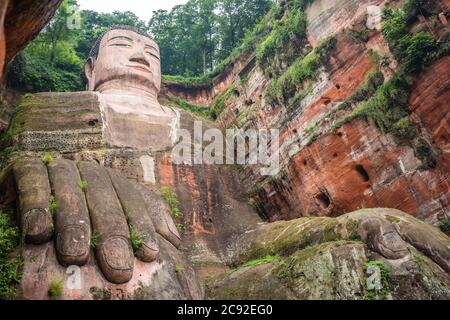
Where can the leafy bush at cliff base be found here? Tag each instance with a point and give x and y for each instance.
(10, 264)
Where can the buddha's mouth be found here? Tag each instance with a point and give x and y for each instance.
(140, 67)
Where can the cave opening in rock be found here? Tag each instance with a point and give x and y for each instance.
(323, 200)
(362, 173)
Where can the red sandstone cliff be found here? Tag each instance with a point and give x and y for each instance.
(358, 165)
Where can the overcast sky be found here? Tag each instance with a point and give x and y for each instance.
(142, 8)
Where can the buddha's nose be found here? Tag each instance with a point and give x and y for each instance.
(139, 57)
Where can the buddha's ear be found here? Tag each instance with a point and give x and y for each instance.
(90, 73)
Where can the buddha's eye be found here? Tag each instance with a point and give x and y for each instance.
(151, 54)
(124, 45)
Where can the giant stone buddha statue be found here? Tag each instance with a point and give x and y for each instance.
(124, 68)
(118, 234)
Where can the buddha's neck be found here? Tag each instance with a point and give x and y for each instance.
(130, 89)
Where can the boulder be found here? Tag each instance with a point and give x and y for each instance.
(339, 258)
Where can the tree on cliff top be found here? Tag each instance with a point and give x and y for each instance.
(193, 39)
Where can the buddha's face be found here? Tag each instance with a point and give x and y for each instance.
(3, 7)
(126, 61)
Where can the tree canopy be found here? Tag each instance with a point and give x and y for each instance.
(193, 38)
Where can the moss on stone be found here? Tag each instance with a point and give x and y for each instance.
(293, 81)
(383, 293)
(332, 270)
(202, 111)
(444, 225)
(259, 261)
(219, 103)
(352, 227)
(286, 237)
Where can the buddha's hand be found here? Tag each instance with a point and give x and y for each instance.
(83, 206)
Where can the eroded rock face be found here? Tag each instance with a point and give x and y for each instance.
(429, 103)
(328, 170)
(3, 7)
(330, 258)
(328, 17)
(29, 17)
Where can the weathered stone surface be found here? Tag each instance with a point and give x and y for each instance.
(3, 7)
(324, 272)
(382, 237)
(113, 250)
(132, 121)
(428, 239)
(169, 278)
(283, 238)
(64, 122)
(29, 17)
(327, 17)
(241, 285)
(418, 278)
(429, 103)
(138, 216)
(31, 179)
(161, 216)
(305, 266)
(72, 222)
(327, 171)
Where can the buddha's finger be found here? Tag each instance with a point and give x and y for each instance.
(142, 231)
(33, 189)
(113, 248)
(73, 229)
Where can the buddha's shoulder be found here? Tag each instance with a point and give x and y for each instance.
(52, 118)
(58, 101)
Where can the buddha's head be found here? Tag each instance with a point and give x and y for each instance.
(124, 59)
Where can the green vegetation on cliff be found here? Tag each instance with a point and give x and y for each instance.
(172, 200)
(387, 106)
(56, 289)
(10, 261)
(202, 111)
(290, 86)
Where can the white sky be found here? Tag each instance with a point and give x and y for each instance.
(142, 8)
